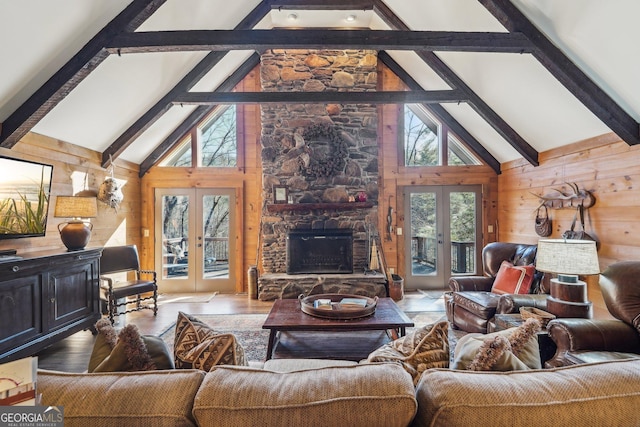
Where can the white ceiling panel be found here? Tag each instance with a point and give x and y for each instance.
(483, 132)
(114, 96)
(158, 132)
(198, 15)
(599, 37)
(447, 15)
(527, 97)
(33, 46)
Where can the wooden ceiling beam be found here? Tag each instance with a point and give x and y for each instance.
(387, 97)
(566, 72)
(152, 115)
(322, 4)
(453, 80)
(197, 115)
(67, 78)
(216, 40)
(441, 114)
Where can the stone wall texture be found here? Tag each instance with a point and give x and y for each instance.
(323, 153)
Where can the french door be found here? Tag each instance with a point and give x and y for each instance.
(193, 248)
(443, 234)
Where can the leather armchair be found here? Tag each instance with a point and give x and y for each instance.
(590, 340)
(471, 305)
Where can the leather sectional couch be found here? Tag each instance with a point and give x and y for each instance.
(592, 340)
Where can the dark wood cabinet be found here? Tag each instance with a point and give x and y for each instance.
(45, 297)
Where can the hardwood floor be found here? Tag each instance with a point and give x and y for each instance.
(72, 354)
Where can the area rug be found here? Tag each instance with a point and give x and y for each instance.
(248, 330)
(200, 297)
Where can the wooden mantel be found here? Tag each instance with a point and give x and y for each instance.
(290, 207)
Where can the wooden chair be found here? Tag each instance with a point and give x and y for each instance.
(122, 259)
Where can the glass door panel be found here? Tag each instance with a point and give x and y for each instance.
(174, 225)
(463, 231)
(444, 234)
(216, 225)
(192, 240)
(424, 244)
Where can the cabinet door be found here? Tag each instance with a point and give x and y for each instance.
(20, 311)
(72, 293)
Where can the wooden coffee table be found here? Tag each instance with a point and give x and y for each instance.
(331, 338)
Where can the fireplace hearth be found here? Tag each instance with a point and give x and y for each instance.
(319, 251)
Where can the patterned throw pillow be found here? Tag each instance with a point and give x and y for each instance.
(422, 349)
(197, 346)
(514, 349)
(127, 350)
(513, 279)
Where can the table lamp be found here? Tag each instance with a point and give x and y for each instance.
(568, 259)
(76, 233)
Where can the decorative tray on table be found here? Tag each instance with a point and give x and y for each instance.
(338, 306)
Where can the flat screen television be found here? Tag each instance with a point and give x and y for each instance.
(25, 189)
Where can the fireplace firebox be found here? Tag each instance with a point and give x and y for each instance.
(320, 251)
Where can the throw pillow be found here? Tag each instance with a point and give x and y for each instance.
(513, 279)
(127, 351)
(422, 349)
(513, 349)
(197, 346)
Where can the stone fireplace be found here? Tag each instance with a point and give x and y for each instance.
(324, 156)
(320, 251)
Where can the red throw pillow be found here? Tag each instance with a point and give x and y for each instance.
(513, 279)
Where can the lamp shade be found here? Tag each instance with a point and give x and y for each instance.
(75, 234)
(567, 257)
(75, 207)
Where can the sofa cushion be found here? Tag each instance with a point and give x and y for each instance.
(422, 349)
(128, 351)
(527, 355)
(589, 395)
(513, 279)
(152, 398)
(197, 346)
(365, 395)
(290, 365)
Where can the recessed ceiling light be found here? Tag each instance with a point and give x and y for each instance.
(292, 17)
(351, 18)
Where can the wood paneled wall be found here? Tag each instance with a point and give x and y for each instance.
(246, 178)
(606, 166)
(76, 169)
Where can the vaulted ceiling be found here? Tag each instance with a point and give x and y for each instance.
(128, 78)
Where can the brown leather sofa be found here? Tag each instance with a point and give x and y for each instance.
(471, 305)
(591, 340)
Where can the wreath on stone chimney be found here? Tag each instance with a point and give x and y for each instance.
(333, 161)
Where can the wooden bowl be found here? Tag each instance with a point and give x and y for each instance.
(337, 310)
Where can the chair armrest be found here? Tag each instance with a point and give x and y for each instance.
(471, 283)
(109, 281)
(571, 335)
(511, 303)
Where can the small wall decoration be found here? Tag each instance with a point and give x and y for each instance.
(568, 200)
(110, 191)
(280, 194)
(333, 161)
